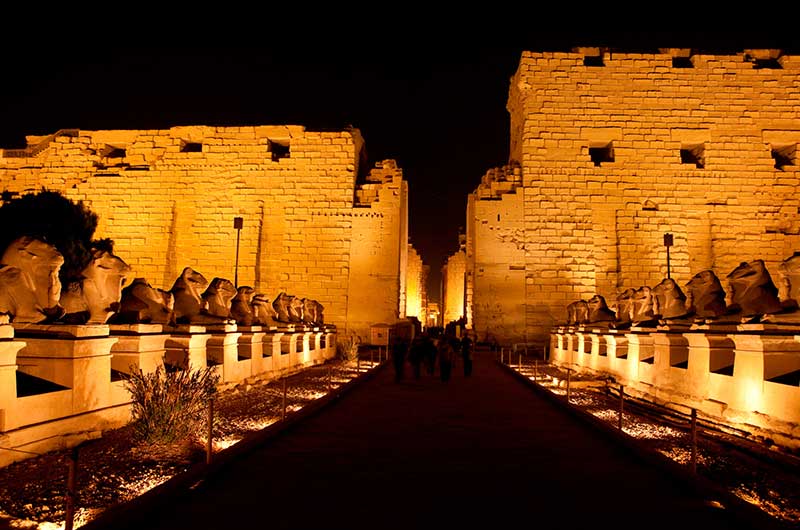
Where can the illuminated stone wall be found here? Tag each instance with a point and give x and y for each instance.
(379, 252)
(496, 257)
(615, 155)
(453, 286)
(168, 198)
(417, 292)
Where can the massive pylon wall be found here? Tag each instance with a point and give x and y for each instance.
(615, 150)
(168, 199)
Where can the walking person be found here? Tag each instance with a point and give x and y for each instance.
(399, 352)
(445, 352)
(415, 354)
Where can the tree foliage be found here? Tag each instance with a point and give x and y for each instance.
(50, 216)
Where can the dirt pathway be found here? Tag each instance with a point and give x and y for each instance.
(478, 452)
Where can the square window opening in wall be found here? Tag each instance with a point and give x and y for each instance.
(784, 155)
(601, 153)
(682, 62)
(191, 147)
(694, 154)
(593, 60)
(279, 149)
(770, 63)
(112, 151)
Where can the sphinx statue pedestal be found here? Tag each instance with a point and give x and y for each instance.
(186, 347)
(8, 372)
(139, 347)
(75, 357)
(223, 349)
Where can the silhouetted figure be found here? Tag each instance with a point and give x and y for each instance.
(445, 352)
(416, 353)
(399, 351)
(466, 355)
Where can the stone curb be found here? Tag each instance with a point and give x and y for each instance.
(182, 482)
(702, 486)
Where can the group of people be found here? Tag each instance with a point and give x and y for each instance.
(427, 350)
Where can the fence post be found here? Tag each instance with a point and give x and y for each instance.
(621, 405)
(283, 416)
(519, 363)
(358, 364)
(209, 442)
(694, 441)
(69, 517)
(330, 386)
(569, 373)
(371, 356)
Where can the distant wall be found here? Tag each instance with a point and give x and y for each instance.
(379, 253)
(453, 286)
(168, 198)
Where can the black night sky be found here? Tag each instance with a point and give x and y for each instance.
(436, 106)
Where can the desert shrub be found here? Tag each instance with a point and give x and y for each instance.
(170, 406)
(347, 347)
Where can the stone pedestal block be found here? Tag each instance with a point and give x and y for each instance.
(186, 347)
(223, 349)
(139, 347)
(8, 371)
(252, 347)
(76, 358)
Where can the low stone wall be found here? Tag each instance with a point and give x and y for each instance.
(745, 376)
(81, 371)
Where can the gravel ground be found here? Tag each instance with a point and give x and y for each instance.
(114, 469)
(754, 472)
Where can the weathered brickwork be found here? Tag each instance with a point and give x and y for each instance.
(416, 278)
(453, 274)
(614, 156)
(168, 198)
(379, 253)
(495, 256)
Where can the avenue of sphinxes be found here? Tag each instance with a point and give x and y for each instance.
(168, 199)
(610, 151)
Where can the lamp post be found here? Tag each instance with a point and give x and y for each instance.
(668, 243)
(238, 223)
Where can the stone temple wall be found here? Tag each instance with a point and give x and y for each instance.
(379, 254)
(415, 282)
(496, 257)
(453, 286)
(168, 199)
(617, 149)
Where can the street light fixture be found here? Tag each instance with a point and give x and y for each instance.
(238, 223)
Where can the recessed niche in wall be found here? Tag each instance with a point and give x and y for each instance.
(783, 368)
(679, 353)
(279, 149)
(720, 359)
(647, 353)
(784, 155)
(601, 153)
(593, 60)
(693, 154)
(682, 62)
(191, 147)
(769, 63)
(112, 151)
